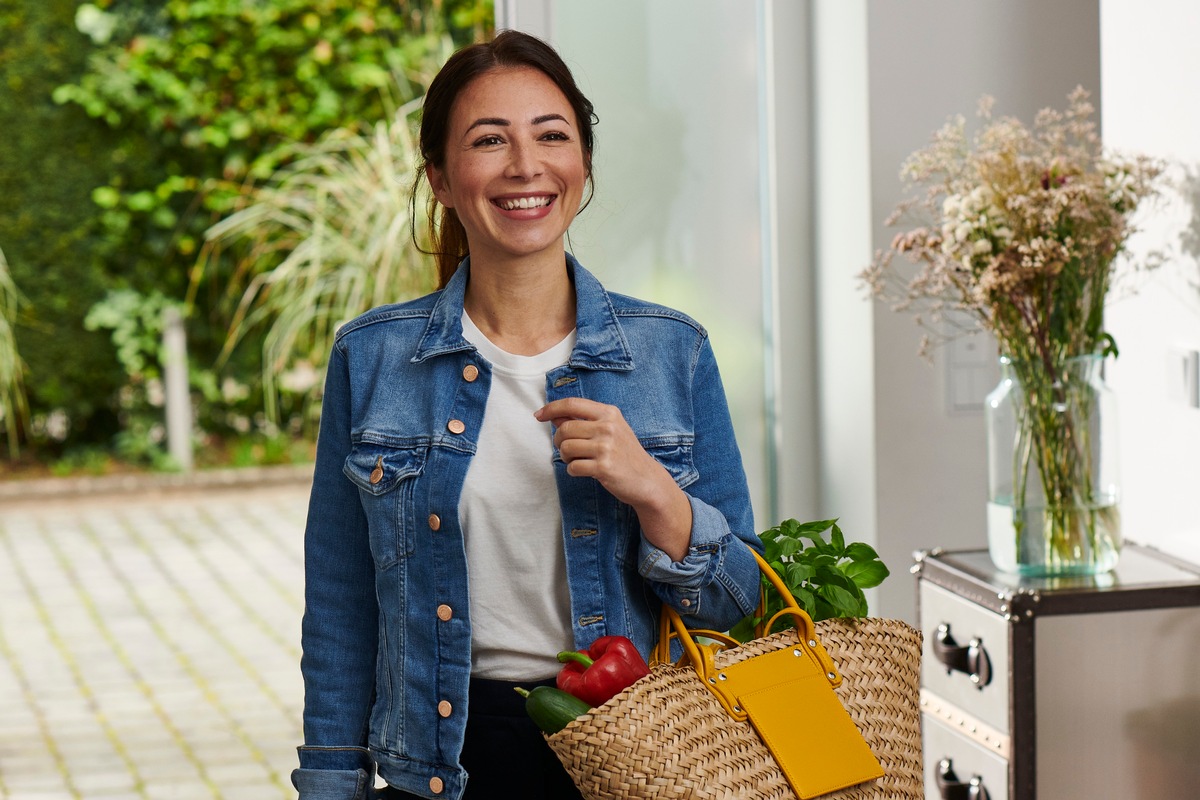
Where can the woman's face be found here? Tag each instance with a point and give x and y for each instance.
(514, 170)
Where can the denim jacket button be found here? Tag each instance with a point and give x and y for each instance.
(435, 522)
(685, 602)
(436, 785)
(456, 426)
(470, 373)
(445, 709)
(445, 612)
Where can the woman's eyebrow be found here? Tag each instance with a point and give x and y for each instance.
(503, 123)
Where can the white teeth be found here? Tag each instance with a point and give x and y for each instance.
(524, 202)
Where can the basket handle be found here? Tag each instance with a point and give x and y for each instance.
(700, 657)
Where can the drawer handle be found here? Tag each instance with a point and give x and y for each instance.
(951, 788)
(972, 659)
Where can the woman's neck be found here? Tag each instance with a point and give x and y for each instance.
(523, 308)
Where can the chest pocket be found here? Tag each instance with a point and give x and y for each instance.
(386, 477)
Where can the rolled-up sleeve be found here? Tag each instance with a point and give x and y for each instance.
(716, 583)
(334, 773)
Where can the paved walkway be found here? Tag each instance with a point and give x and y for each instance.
(149, 644)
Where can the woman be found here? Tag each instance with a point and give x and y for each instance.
(516, 465)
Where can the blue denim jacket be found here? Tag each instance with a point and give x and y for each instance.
(386, 632)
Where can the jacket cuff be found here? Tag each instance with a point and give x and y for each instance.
(687, 577)
(334, 773)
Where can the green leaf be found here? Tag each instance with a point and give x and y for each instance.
(833, 576)
(106, 196)
(824, 560)
(782, 529)
(822, 609)
(845, 601)
(806, 599)
(838, 540)
(1110, 345)
(141, 201)
(860, 552)
(744, 630)
(788, 547)
(797, 573)
(814, 529)
(866, 574)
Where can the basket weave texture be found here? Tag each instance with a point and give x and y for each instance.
(666, 736)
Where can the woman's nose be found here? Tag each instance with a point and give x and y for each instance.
(524, 161)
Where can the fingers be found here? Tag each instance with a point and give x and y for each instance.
(571, 408)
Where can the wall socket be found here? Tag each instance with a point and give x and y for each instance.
(1183, 375)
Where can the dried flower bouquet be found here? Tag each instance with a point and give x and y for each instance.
(1020, 228)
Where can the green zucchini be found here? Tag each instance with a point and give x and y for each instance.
(550, 708)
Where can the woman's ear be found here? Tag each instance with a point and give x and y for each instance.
(437, 182)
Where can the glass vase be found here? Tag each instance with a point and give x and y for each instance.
(1053, 491)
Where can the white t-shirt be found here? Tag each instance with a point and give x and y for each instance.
(512, 523)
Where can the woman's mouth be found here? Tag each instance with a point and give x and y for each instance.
(519, 203)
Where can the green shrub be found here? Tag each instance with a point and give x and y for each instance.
(323, 240)
(50, 158)
(132, 127)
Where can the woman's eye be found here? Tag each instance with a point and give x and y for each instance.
(556, 136)
(488, 141)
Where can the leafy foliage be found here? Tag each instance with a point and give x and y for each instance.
(826, 576)
(50, 158)
(132, 127)
(323, 240)
(215, 89)
(13, 404)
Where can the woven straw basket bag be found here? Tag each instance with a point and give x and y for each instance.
(667, 736)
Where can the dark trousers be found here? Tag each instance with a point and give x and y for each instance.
(504, 753)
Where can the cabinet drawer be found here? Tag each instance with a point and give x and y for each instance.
(967, 760)
(961, 636)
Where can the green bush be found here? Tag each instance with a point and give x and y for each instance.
(14, 408)
(324, 239)
(50, 159)
(135, 126)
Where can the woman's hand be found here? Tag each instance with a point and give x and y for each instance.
(595, 441)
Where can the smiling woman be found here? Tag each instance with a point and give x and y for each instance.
(514, 182)
(514, 466)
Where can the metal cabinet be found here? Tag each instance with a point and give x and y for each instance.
(1060, 688)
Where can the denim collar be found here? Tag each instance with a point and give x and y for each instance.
(599, 341)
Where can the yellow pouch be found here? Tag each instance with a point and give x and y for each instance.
(788, 696)
(810, 735)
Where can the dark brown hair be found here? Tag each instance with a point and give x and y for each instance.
(508, 49)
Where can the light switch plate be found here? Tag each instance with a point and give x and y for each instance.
(1183, 375)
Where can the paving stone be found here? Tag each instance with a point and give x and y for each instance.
(149, 645)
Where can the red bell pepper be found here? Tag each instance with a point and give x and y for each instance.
(603, 670)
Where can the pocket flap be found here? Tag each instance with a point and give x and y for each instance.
(677, 459)
(377, 469)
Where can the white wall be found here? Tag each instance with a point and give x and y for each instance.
(1151, 78)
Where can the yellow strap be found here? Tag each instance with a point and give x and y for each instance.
(671, 625)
